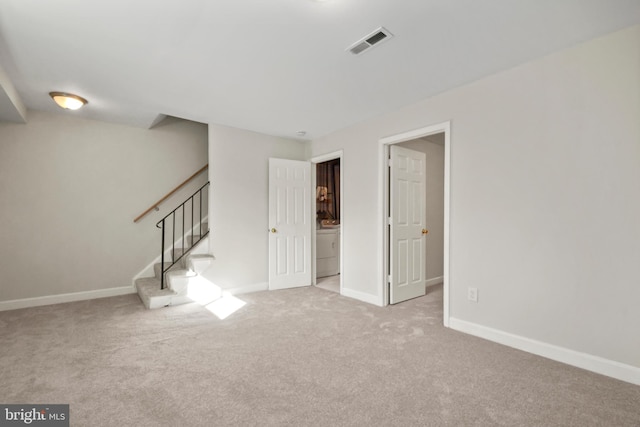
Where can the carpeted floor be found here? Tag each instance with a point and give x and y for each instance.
(329, 283)
(301, 357)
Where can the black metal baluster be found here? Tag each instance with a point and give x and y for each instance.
(162, 259)
(183, 228)
(192, 227)
(173, 241)
(185, 248)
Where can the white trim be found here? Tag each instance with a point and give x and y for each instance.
(62, 298)
(434, 281)
(328, 156)
(414, 134)
(314, 223)
(361, 296)
(339, 154)
(383, 180)
(385, 219)
(447, 223)
(586, 361)
(246, 289)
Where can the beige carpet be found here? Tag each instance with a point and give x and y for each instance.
(329, 283)
(303, 357)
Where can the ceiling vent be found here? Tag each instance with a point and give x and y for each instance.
(370, 40)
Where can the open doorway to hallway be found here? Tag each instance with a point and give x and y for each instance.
(432, 147)
(328, 222)
(405, 257)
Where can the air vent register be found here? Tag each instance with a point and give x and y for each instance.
(370, 40)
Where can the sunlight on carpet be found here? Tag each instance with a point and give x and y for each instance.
(206, 293)
(225, 306)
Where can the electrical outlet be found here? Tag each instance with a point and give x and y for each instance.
(472, 294)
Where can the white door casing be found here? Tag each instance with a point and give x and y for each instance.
(407, 225)
(289, 223)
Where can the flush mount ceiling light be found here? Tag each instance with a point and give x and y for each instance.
(68, 101)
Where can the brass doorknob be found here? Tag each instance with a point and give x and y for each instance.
(273, 230)
(425, 231)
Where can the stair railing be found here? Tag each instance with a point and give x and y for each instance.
(183, 210)
(170, 193)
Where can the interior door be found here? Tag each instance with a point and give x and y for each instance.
(408, 218)
(289, 223)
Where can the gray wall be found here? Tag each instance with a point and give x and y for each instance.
(239, 171)
(545, 178)
(69, 191)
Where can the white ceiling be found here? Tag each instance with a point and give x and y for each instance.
(277, 66)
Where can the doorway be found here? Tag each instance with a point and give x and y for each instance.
(328, 195)
(431, 139)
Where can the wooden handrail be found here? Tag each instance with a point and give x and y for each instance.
(155, 205)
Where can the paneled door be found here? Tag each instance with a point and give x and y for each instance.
(408, 218)
(289, 223)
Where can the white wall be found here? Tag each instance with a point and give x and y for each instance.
(239, 174)
(434, 188)
(69, 191)
(545, 178)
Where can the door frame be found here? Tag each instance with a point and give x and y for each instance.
(339, 154)
(384, 144)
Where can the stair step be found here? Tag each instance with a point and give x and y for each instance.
(153, 297)
(180, 278)
(177, 252)
(176, 266)
(197, 238)
(150, 293)
(150, 286)
(199, 262)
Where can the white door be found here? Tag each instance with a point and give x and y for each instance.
(289, 223)
(408, 217)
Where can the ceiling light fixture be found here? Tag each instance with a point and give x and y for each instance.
(68, 101)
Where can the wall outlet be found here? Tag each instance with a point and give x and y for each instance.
(472, 294)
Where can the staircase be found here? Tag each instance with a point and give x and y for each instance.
(184, 236)
(182, 280)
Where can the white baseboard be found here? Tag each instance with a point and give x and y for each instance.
(62, 298)
(246, 289)
(435, 281)
(610, 368)
(361, 296)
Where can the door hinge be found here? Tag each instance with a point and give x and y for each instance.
(389, 279)
(389, 221)
(389, 162)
